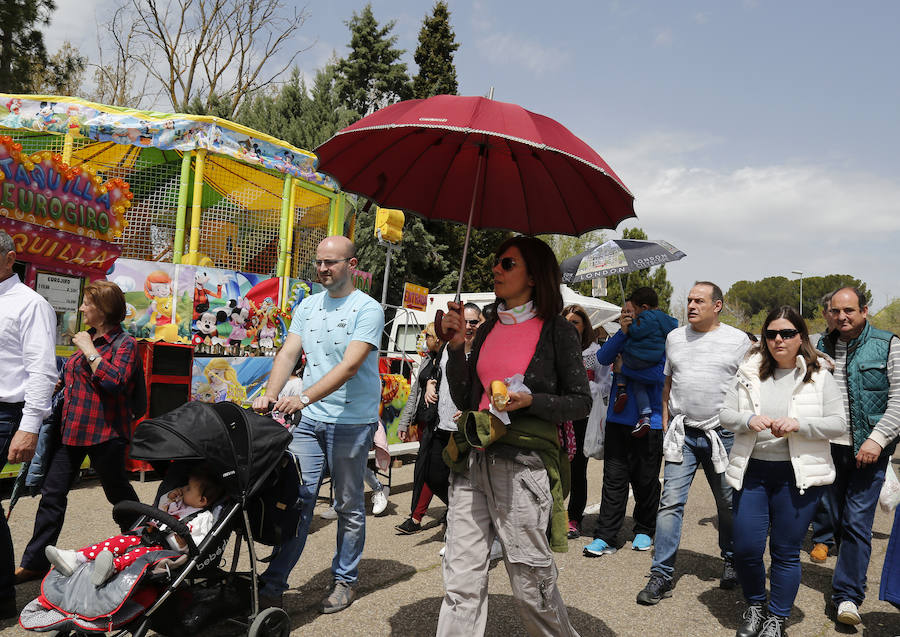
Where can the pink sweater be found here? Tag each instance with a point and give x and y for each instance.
(507, 350)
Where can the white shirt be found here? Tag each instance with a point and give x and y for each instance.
(27, 351)
(702, 365)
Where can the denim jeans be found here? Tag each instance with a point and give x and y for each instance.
(768, 499)
(343, 449)
(854, 496)
(10, 416)
(823, 520)
(677, 478)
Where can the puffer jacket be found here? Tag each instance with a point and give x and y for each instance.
(809, 447)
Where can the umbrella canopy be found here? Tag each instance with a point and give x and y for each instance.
(618, 256)
(473, 160)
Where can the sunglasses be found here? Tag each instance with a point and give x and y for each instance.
(784, 334)
(328, 263)
(507, 263)
(472, 321)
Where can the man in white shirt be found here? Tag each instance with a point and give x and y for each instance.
(28, 369)
(701, 359)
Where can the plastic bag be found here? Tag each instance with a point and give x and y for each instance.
(595, 434)
(890, 490)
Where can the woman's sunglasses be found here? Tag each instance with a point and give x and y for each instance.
(784, 334)
(507, 263)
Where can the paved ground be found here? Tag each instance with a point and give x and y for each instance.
(401, 586)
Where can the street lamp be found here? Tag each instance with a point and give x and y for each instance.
(800, 273)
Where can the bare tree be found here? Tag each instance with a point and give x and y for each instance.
(121, 80)
(201, 48)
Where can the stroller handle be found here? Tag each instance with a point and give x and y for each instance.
(152, 512)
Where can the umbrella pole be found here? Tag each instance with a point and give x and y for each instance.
(622, 285)
(462, 267)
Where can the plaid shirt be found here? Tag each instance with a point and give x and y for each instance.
(98, 404)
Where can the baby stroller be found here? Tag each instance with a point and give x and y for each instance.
(247, 452)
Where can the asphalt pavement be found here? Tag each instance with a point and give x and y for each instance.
(401, 587)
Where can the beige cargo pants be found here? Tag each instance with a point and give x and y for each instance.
(509, 497)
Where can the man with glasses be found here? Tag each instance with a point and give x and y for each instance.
(701, 360)
(340, 332)
(867, 370)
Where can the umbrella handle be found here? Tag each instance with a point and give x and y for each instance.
(442, 335)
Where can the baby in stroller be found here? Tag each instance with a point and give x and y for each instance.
(190, 504)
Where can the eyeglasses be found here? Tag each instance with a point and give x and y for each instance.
(785, 335)
(328, 263)
(472, 321)
(507, 263)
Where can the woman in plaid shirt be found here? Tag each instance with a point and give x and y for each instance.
(96, 420)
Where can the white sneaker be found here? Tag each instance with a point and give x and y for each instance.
(380, 500)
(443, 550)
(848, 613)
(103, 568)
(496, 550)
(63, 560)
(328, 514)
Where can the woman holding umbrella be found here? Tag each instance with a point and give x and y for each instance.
(512, 489)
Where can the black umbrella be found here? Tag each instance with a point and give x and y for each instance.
(618, 256)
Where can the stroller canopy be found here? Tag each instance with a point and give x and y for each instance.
(240, 445)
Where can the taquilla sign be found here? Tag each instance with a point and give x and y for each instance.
(43, 190)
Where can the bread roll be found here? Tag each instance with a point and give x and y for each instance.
(499, 394)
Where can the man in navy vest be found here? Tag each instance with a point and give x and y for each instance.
(867, 369)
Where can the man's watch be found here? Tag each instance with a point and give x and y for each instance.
(93, 357)
(304, 400)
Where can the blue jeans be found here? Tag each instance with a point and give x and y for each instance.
(854, 496)
(770, 499)
(823, 520)
(10, 416)
(677, 478)
(343, 449)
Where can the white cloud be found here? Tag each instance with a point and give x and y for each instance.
(663, 37)
(701, 17)
(513, 49)
(763, 220)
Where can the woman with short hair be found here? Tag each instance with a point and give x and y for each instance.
(96, 420)
(783, 408)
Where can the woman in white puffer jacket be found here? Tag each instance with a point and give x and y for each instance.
(783, 408)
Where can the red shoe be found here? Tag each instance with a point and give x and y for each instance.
(621, 401)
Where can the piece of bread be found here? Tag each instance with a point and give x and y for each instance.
(499, 394)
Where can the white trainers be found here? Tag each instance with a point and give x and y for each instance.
(848, 613)
(63, 561)
(380, 500)
(443, 550)
(328, 514)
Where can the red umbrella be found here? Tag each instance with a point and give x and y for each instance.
(488, 164)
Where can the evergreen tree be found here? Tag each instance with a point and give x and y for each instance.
(434, 55)
(22, 50)
(324, 114)
(372, 76)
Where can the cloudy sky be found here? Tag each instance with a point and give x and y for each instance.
(758, 136)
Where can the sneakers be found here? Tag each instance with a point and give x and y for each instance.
(641, 542)
(103, 568)
(656, 589)
(642, 427)
(328, 514)
(848, 613)
(819, 553)
(729, 576)
(751, 621)
(597, 548)
(340, 597)
(380, 500)
(574, 531)
(442, 551)
(62, 560)
(408, 527)
(621, 400)
(773, 627)
(23, 575)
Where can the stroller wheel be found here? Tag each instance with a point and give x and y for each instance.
(272, 622)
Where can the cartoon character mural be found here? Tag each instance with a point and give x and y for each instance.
(239, 379)
(394, 394)
(223, 381)
(160, 314)
(202, 294)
